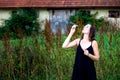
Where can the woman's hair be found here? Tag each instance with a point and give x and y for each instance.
(91, 34)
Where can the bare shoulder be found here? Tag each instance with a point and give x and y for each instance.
(94, 43)
(77, 40)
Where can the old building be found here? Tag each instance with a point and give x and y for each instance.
(58, 11)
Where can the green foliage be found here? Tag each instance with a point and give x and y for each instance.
(31, 59)
(86, 18)
(36, 62)
(23, 21)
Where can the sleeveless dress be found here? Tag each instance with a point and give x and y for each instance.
(84, 66)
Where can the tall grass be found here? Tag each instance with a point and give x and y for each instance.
(32, 58)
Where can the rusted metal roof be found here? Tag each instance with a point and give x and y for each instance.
(58, 3)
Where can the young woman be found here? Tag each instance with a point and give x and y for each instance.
(87, 52)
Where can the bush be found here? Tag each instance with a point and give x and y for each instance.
(20, 24)
(84, 17)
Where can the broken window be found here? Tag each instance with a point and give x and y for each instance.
(114, 14)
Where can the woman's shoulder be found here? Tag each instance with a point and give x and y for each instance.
(94, 42)
(77, 40)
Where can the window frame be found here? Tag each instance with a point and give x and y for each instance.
(114, 13)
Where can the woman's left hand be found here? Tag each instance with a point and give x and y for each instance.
(86, 52)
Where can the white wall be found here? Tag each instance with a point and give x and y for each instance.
(105, 14)
(4, 14)
(101, 13)
(43, 15)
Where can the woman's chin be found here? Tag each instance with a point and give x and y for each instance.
(83, 32)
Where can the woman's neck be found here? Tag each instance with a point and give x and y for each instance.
(86, 37)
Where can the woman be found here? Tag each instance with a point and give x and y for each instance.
(87, 52)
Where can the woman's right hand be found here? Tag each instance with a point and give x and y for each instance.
(73, 29)
(67, 42)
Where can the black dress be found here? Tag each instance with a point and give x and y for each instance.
(83, 67)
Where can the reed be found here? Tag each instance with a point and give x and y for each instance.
(48, 35)
(59, 36)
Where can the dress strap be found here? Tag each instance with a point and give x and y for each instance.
(91, 43)
(79, 41)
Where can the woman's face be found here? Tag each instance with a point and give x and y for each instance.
(86, 29)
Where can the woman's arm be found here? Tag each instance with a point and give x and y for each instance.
(67, 43)
(96, 55)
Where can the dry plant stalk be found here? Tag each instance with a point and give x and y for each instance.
(58, 36)
(19, 33)
(6, 43)
(48, 35)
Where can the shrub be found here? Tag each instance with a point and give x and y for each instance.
(83, 17)
(20, 24)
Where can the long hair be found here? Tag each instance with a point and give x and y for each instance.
(91, 34)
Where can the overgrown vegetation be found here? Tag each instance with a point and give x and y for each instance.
(84, 17)
(22, 23)
(40, 57)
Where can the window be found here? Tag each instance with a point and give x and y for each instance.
(37, 13)
(86, 12)
(114, 14)
(14, 11)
